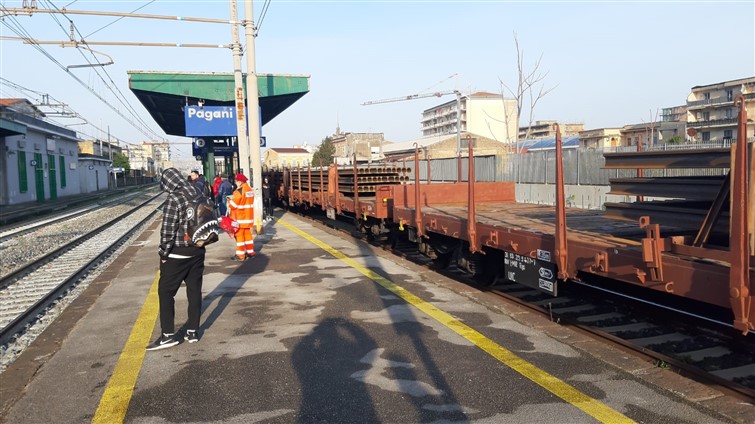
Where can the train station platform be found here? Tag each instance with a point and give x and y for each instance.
(319, 327)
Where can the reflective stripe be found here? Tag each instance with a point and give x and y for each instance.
(174, 256)
(232, 203)
(241, 243)
(245, 221)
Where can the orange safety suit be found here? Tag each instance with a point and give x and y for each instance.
(241, 206)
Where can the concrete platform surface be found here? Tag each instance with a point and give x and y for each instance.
(321, 328)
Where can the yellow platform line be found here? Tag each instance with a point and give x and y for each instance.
(588, 405)
(114, 402)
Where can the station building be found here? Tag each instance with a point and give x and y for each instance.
(39, 160)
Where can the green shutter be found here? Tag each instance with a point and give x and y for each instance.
(62, 172)
(23, 179)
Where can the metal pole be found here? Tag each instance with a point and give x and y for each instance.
(238, 86)
(109, 146)
(458, 123)
(253, 106)
(561, 249)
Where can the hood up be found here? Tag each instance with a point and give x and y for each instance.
(172, 180)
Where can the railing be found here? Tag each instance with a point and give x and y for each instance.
(712, 123)
(707, 102)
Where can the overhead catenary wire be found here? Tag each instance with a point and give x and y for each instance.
(16, 27)
(26, 91)
(22, 33)
(263, 13)
(11, 21)
(114, 21)
(119, 95)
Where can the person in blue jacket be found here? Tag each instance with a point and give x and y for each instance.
(225, 189)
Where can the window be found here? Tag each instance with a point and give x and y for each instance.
(706, 116)
(706, 136)
(727, 134)
(729, 113)
(729, 95)
(62, 172)
(706, 96)
(23, 181)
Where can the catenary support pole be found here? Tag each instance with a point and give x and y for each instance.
(238, 86)
(253, 106)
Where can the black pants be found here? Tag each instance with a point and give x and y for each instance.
(172, 272)
(268, 209)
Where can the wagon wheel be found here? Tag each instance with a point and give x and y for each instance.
(442, 260)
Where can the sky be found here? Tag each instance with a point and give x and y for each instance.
(608, 63)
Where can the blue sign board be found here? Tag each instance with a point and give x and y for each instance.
(220, 146)
(210, 121)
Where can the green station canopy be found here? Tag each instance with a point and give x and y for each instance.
(164, 94)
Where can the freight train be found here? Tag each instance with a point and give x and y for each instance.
(697, 247)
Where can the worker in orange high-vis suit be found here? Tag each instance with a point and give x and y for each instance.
(241, 206)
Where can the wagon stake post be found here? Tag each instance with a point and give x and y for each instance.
(417, 210)
(561, 248)
(652, 247)
(739, 248)
(471, 219)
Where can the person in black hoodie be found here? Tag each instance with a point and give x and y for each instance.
(179, 261)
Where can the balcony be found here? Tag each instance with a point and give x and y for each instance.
(713, 123)
(699, 104)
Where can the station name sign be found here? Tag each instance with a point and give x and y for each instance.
(210, 121)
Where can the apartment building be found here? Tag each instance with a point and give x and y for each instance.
(367, 146)
(444, 147)
(646, 133)
(99, 148)
(286, 157)
(673, 125)
(600, 138)
(487, 114)
(712, 112)
(140, 157)
(546, 129)
(150, 157)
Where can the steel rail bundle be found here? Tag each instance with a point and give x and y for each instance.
(704, 253)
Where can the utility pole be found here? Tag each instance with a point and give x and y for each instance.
(239, 95)
(253, 106)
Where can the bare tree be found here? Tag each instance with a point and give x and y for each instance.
(650, 129)
(530, 89)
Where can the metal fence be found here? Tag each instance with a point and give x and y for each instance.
(581, 166)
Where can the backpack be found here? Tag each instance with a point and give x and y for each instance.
(202, 227)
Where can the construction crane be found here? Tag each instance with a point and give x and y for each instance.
(424, 95)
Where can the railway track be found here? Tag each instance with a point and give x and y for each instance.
(699, 344)
(19, 228)
(29, 292)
